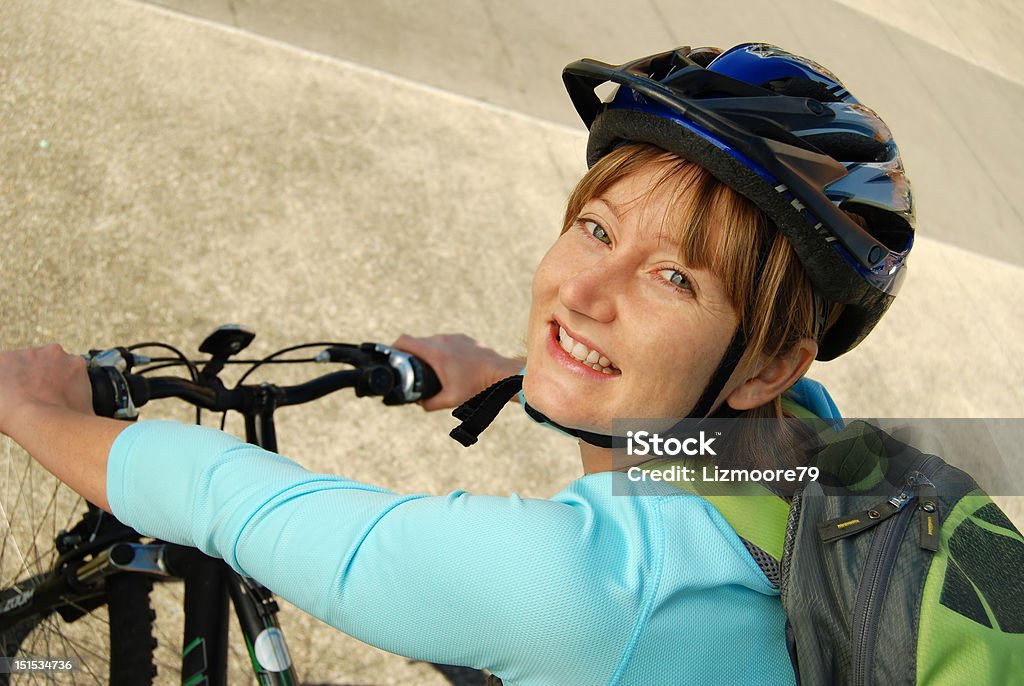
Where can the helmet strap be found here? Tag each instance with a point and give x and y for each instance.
(726, 366)
(478, 412)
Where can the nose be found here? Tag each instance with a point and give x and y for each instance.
(592, 291)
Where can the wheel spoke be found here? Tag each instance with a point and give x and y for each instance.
(34, 509)
(7, 511)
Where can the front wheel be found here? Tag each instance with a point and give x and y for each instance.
(109, 635)
(111, 640)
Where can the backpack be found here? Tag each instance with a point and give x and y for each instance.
(893, 568)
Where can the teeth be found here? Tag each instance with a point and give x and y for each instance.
(565, 341)
(591, 358)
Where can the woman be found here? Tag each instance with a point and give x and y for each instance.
(668, 294)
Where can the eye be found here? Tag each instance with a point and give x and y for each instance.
(597, 231)
(677, 279)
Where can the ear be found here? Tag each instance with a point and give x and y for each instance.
(774, 377)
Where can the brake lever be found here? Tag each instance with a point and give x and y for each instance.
(109, 367)
(118, 358)
(412, 379)
(408, 373)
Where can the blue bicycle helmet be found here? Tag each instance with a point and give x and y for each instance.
(784, 132)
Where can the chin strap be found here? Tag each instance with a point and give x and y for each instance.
(600, 440)
(730, 358)
(477, 413)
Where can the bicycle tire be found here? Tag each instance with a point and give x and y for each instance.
(129, 645)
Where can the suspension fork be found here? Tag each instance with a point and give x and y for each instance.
(257, 616)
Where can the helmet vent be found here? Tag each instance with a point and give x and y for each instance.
(802, 88)
(606, 91)
(850, 147)
(886, 228)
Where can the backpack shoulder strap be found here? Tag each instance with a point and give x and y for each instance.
(758, 516)
(759, 520)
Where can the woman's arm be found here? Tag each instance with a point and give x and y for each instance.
(46, 407)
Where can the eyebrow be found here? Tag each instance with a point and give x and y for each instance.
(616, 209)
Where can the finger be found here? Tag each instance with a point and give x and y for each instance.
(80, 388)
(409, 344)
(402, 338)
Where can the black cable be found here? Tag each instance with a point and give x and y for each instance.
(180, 355)
(160, 364)
(191, 366)
(270, 359)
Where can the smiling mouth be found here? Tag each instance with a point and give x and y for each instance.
(584, 355)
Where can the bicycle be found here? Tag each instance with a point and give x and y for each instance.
(97, 562)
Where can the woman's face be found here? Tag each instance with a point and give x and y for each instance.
(613, 293)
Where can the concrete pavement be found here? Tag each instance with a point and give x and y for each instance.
(947, 77)
(160, 175)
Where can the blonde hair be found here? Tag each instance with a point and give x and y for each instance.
(775, 312)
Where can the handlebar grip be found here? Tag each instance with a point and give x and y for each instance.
(115, 394)
(102, 392)
(430, 384)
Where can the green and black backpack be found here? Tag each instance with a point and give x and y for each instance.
(894, 568)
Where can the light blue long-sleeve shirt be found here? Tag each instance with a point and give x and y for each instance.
(586, 587)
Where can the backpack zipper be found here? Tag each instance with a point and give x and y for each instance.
(881, 559)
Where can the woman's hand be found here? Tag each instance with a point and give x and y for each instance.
(464, 366)
(46, 406)
(41, 377)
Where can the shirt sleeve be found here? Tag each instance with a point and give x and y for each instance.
(498, 582)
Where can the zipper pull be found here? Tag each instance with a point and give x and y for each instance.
(843, 527)
(906, 495)
(928, 515)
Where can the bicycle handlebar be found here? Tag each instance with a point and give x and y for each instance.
(398, 377)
